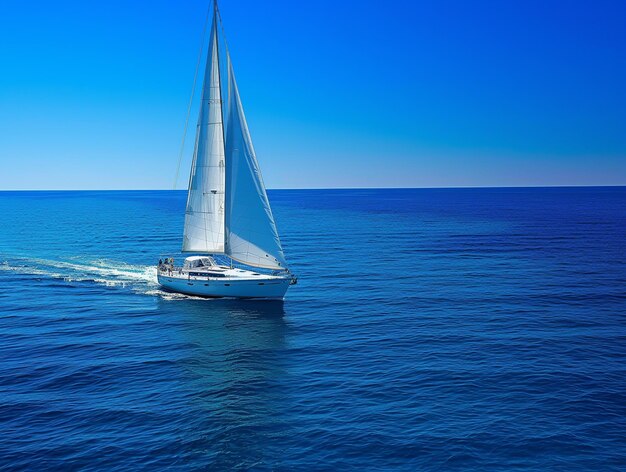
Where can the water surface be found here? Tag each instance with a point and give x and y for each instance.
(440, 329)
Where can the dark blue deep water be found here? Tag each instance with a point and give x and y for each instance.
(452, 329)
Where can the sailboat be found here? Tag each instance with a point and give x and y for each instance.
(230, 237)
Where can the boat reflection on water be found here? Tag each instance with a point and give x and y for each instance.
(216, 327)
(233, 369)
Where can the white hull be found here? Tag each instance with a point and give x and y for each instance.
(238, 286)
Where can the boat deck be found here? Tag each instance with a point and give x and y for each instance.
(215, 272)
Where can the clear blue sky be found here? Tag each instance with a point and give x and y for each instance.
(93, 95)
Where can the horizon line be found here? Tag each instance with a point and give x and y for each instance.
(329, 188)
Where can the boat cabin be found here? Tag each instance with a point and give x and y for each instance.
(203, 266)
(199, 263)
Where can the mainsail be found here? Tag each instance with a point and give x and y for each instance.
(227, 207)
(204, 216)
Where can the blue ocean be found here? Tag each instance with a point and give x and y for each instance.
(431, 329)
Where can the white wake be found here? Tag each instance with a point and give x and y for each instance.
(138, 278)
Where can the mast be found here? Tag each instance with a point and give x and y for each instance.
(216, 15)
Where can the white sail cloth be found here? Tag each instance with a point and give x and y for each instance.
(251, 235)
(204, 216)
(227, 207)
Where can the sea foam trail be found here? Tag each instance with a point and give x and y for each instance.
(139, 278)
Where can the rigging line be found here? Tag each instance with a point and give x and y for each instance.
(193, 92)
(219, 15)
